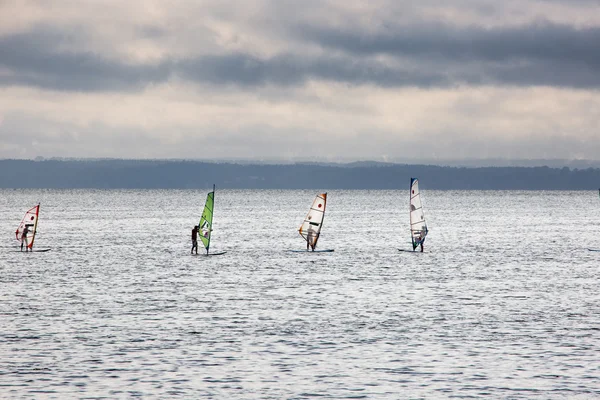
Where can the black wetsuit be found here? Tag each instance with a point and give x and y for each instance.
(195, 240)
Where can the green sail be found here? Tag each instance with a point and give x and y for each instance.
(206, 220)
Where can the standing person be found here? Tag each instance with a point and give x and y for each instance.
(422, 237)
(310, 238)
(24, 237)
(195, 239)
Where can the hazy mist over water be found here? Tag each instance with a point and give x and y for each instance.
(503, 304)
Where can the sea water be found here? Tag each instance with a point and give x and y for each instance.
(503, 303)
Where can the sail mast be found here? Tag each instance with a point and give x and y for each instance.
(206, 220)
(212, 213)
(411, 207)
(37, 213)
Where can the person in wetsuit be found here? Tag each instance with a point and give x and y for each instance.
(195, 239)
(24, 238)
(310, 238)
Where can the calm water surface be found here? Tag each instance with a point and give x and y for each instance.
(503, 304)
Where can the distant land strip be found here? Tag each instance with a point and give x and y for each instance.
(173, 174)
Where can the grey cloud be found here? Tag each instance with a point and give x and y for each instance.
(543, 41)
(292, 69)
(421, 55)
(34, 60)
(593, 3)
(152, 32)
(542, 53)
(241, 69)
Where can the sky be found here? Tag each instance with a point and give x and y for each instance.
(398, 81)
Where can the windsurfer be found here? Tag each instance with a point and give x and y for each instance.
(422, 236)
(24, 238)
(195, 239)
(310, 238)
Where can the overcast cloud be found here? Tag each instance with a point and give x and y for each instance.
(331, 80)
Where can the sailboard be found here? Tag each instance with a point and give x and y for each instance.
(315, 251)
(310, 230)
(34, 251)
(27, 229)
(418, 225)
(205, 227)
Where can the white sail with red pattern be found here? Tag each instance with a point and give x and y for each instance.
(310, 229)
(26, 231)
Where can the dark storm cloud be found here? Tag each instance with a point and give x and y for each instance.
(421, 55)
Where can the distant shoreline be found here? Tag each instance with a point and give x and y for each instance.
(174, 174)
